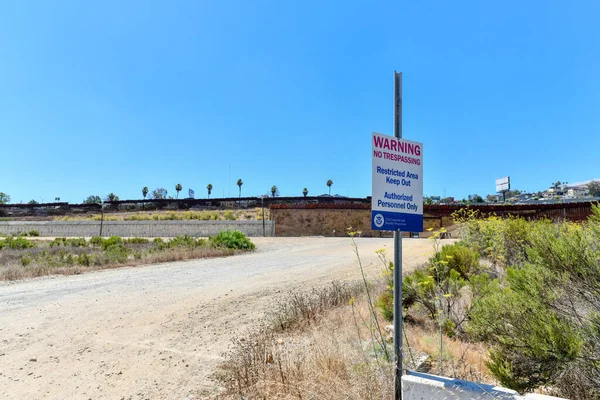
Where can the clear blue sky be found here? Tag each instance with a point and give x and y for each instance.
(112, 96)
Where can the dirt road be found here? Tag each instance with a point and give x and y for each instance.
(158, 332)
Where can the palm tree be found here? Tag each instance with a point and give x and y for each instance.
(112, 197)
(305, 192)
(57, 199)
(273, 190)
(209, 188)
(178, 188)
(145, 192)
(240, 183)
(329, 183)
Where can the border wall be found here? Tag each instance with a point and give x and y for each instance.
(335, 219)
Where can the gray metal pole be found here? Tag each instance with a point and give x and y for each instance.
(101, 218)
(262, 202)
(398, 256)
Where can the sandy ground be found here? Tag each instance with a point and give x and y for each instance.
(158, 332)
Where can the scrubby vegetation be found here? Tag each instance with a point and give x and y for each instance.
(533, 299)
(20, 257)
(543, 320)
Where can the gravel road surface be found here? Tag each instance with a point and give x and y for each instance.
(158, 332)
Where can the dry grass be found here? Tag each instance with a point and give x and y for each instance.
(251, 214)
(15, 270)
(460, 359)
(333, 351)
(309, 348)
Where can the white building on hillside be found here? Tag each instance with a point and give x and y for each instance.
(577, 191)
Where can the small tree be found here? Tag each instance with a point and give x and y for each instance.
(158, 194)
(111, 197)
(512, 193)
(178, 188)
(305, 192)
(594, 188)
(145, 192)
(92, 199)
(209, 188)
(240, 183)
(33, 202)
(329, 183)
(57, 199)
(4, 198)
(274, 190)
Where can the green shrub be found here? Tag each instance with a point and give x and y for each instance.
(26, 259)
(18, 243)
(84, 259)
(116, 253)
(543, 319)
(69, 259)
(57, 242)
(75, 242)
(158, 241)
(96, 241)
(34, 233)
(111, 242)
(137, 241)
(232, 240)
(180, 241)
(78, 242)
(386, 304)
(531, 344)
(503, 241)
(459, 258)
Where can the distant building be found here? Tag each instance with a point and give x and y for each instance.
(577, 191)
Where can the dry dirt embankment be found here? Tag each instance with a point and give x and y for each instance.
(158, 331)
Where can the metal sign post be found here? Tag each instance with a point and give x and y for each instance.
(397, 204)
(398, 256)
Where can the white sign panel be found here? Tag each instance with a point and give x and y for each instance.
(503, 184)
(397, 198)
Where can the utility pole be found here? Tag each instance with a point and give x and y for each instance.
(398, 256)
